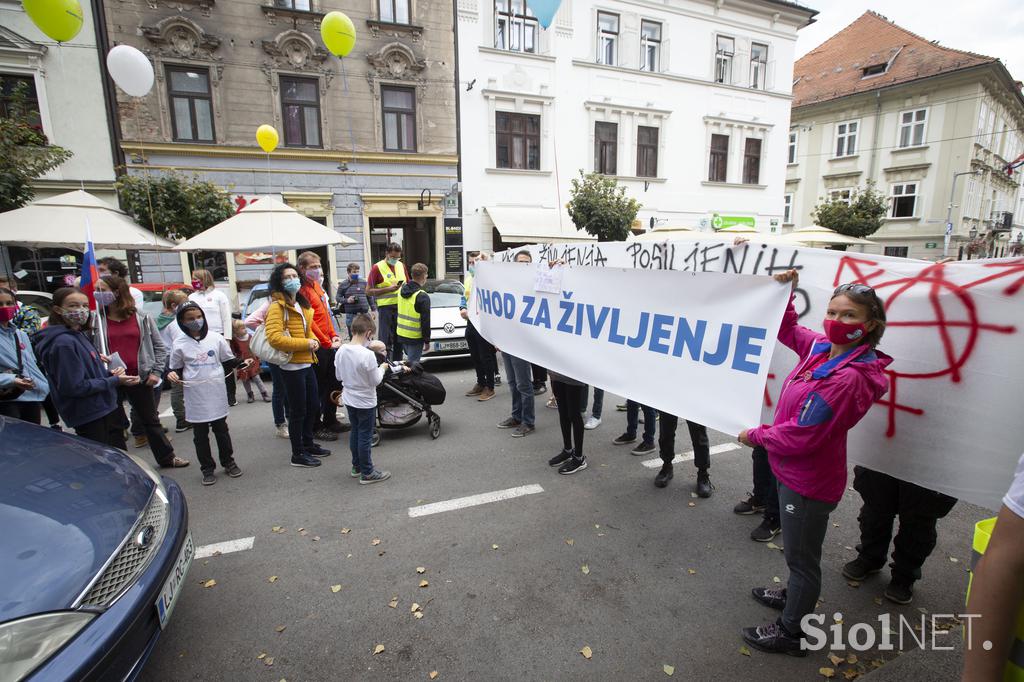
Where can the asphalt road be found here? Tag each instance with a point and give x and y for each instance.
(644, 577)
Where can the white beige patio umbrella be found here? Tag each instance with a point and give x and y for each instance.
(816, 234)
(62, 221)
(662, 234)
(264, 225)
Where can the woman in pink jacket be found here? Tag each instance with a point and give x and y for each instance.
(838, 377)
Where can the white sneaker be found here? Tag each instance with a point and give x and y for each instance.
(282, 431)
(591, 423)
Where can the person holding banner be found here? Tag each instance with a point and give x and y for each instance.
(522, 421)
(667, 450)
(386, 277)
(480, 349)
(840, 375)
(569, 394)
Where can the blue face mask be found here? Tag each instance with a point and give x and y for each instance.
(104, 298)
(292, 286)
(194, 326)
(354, 277)
(392, 261)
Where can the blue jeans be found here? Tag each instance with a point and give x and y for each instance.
(633, 420)
(303, 406)
(598, 401)
(361, 419)
(519, 375)
(279, 399)
(413, 350)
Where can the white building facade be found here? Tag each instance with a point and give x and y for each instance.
(685, 103)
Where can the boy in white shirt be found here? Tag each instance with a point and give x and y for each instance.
(357, 369)
(199, 360)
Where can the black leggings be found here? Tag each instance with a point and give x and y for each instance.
(26, 410)
(108, 429)
(570, 418)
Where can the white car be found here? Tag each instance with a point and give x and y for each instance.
(447, 328)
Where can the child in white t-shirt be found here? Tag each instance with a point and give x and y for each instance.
(357, 369)
(200, 360)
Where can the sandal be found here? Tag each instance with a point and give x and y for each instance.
(552, 403)
(176, 463)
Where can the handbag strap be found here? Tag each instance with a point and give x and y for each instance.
(17, 349)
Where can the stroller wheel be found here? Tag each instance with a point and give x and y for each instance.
(435, 427)
(375, 439)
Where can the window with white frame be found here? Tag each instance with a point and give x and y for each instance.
(844, 195)
(793, 138)
(718, 158)
(393, 11)
(606, 147)
(751, 161)
(912, 127)
(758, 65)
(650, 46)
(787, 209)
(846, 138)
(725, 50)
(607, 38)
(515, 27)
(903, 200)
(18, 98)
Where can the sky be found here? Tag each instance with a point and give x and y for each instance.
(990, 27)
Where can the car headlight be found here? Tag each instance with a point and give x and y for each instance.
(27, 643)
(154, 475)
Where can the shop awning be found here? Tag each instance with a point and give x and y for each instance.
(527, 225)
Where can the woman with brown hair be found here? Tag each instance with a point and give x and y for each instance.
(133, 336)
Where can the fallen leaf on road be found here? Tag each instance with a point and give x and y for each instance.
(316, 538)
(381, 553)
(281, 628)
(348, 556)
(375, 542)
(878, 601)
(836, 660)
(209, 583)
(837, 618)
(587, 652)
(922, 610)
(878, 662)
(691, 504)
(835, 525)
(423, 583)
(826, 672)
(378, 649)
(263, 654)
(600, 535)
(394, 602)
(852, 659)
(420, 569)
(272, 579)
(494, 547)
(693, 495)
(346, 531)
(417, 615)
(414, 608)
(302, 530)
(691, 571)
(585, 569)
(853, 583)
(570, 542)
(776, 579)
(669, 670)
(433, 674)
(851, 674)
(745, 651)
(277, 529)
(597, 525)
(269, 660)
(335, 588)
(772, 545)
(954, 560)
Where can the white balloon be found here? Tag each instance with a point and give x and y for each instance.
(130, 70)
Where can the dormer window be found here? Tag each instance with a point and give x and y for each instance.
(875, 69)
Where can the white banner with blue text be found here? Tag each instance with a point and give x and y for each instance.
(692, 344)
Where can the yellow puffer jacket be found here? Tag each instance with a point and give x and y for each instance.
(297, 339)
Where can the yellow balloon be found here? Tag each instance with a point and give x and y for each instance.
(338, 33)
(266, 137)
(59, 19)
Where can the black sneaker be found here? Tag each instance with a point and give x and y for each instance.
(560, 459)
(664, 476)
(766, 531)
(774, 639)
(645, 448)
(624, 439)
(304, 461)
(508, 423)
(772, 597)
(233, 470)
(325, 435)
(704, 486)
(209, 478)
(749, 506)
(250, 400)
(497, 380)
(232, 403)
(899, 592)
(573, 465)
(181, 427)
(858, 570)
(317, 451)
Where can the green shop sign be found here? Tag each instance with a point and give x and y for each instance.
(720, 222)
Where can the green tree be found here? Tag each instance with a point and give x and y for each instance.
(175, 205)
(600, 206)
(861, 217)
(25, 153)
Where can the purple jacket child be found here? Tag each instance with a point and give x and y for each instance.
(821, 401)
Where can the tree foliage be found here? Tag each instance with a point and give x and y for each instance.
(600, 206)
(182, 206)
(861, 217)
(25, 153)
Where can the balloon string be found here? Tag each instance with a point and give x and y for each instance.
(273, 247)
(145, 165)
(348, 111)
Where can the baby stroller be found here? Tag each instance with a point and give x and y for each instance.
(403, 398)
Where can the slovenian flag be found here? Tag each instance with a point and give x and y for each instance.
(89, 271)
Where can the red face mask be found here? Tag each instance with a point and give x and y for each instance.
(841, 333)
(8, 312)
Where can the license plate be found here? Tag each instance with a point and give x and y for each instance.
(451, 345)
(172, 588)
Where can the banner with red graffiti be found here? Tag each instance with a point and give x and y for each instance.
(951, 420)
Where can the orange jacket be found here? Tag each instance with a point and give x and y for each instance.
(322, 327)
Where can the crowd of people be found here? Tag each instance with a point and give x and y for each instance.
(84, 366)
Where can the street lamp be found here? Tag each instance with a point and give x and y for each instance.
(949, 212)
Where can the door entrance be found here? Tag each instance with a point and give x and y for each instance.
(414, 235)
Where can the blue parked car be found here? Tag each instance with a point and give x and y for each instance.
(94, 550)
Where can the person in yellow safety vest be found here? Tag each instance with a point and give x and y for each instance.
(996, 649)
(413, 316)
(386, 277)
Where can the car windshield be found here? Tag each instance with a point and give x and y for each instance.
(444, 293)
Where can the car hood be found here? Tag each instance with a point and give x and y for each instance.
(66, 504)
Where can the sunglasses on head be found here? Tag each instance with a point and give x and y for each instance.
(853, 288)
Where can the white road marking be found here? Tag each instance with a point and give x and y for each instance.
(687, 456)
(474, 500)
(239, 545)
